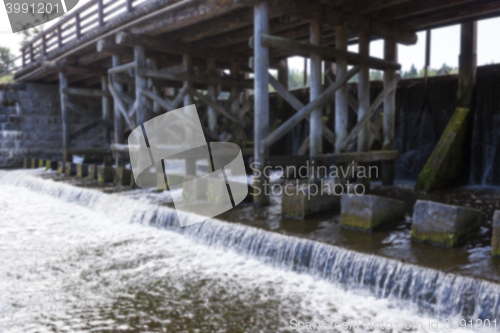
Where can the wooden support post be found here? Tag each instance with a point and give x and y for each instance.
(364, 98)
(235, 103)
(77, 26)
(187, 61)
(59, 36)
(341, 100)
(467, 64)
(63, 83)
(261, 102)
(100, 12)
(390, 53)
(427, 53)
(316, 121)
(283, 80)
(140, 84)
(106, 111)
(129, 6)
(118, 118)
(212, 95)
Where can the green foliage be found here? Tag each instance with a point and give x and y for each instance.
(444, 70)
(5, 57)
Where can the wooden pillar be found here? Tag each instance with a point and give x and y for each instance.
(106, 110)
(467, 63)
(63, 84)
(390, 53)
(261, 101)
(212, 95)
(341, 100)
(140, 84)
(235, 104)
(118, 118)
(315, 123)
(187, 61)
(363, 99)
(283, 79)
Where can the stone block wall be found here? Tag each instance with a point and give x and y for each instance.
(30, 123)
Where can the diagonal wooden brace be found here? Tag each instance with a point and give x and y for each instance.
(217, 107)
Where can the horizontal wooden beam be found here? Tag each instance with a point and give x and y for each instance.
(166, 104)
(306, 110)
(334, 17)
(87, 114)
(196, 78)
(122, 68)
(86, 92)
(332, 159)
(111, 48)
(415, 8)
(305, 49)
(89, 151)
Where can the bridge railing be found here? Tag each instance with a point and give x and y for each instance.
(92, 15)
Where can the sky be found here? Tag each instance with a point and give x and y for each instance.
(445, 44)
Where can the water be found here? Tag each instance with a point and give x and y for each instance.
(75, 259)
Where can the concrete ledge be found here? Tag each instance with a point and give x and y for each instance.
(495, 240)
(298, 203)
(122, 176)
(60, 167)
(366, 212)
(82, 170)
(69, 169)
(105, 174)
(441, 224)
(50, 165)
(92, 171)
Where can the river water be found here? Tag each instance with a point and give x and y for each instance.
(80, 260)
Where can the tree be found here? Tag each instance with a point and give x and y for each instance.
(5, 57)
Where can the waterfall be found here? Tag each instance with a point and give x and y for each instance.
(426, 290)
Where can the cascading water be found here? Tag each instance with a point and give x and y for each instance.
(423, 290)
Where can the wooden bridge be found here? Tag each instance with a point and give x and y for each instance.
(146, 58)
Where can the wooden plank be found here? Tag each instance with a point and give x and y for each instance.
(373, 107)
(103, 45)
(86, 114)
(334, 17)
(363, 93)
(66, 134)
(167, 105)
(341, 96)
(122, 68)
(306, 110)
(389, 119)
(414, 8)
(327, 53)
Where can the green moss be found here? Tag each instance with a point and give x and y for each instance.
(495, 252)
(356, 222)
(442, 239)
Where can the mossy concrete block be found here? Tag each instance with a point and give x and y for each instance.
(26, 163)
(366, 212)
(301, 201)
(50, 165)
(41, 163)
(217, 192)
(60, 167)
(105, 174)
(34, 163)
(82, 170)
(443, 224)
(92, 171)
(69, 169)
(195, 190)
(122, 176)
(495, 240)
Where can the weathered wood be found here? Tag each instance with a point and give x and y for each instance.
(333, 159)
(195, 78)
(66, 134)
(212, 95)
(467, 64)
(78, 26)
(363, 92)
(388, 173)
(180, 96)
(110, 47)
(121, 107)
(216, 107)
(59, 36)
(86, 92)
(334, 17)
(341, 96)
(363, 121)
(129, 6)
(122, 68)
(368, 6)
(261, 100)
(100, 12)
(415, 8)
(315, 119)
(187, 61)
(82, 130)
(327, 53)
(85, 113)
(306, 110)
(117, 115)
(106, 110)
(304, 147)
(140, 84)
(166, 104)
(297, 105)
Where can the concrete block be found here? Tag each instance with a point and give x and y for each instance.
(60, 167)
(41, 163)
(69, 169)
(105, 174)
(92, 171)
(194, 190)
(442, 224)
(301, 202)
(495, 240)
(366, 212)
(34, 163)
(122, 176)
(50, 165)
(81, 170)
(26, 163)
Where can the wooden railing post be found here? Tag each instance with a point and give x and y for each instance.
(77, 26)
(32, 54)
(24, 56)
(59, 36)
(129, 6)
(44, 45)
(100, 12)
